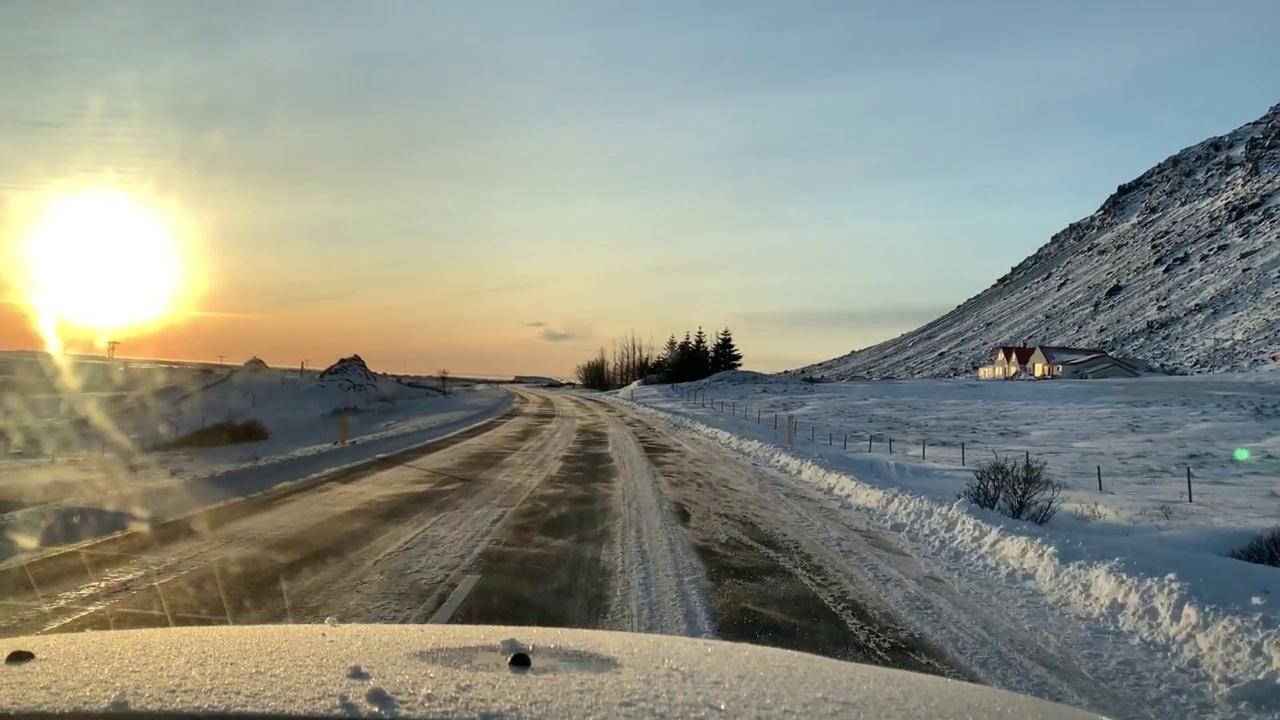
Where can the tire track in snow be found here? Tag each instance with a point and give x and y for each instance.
(771, 583)
(661, 584)
(415, 577)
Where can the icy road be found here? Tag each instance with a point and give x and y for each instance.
(581, 511)
(567, 511)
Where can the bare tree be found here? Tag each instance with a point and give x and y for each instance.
(444, 382)
(594, 374)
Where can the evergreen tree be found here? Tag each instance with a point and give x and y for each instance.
(701, 361)
(724, 354)
(687, 360)
(670, 350)
(682, 363)
(665, 362)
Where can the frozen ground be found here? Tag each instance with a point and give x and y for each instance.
(105, 473)
(1137, 559)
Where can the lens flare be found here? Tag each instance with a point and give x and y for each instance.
(1241, 454)
(97, 265)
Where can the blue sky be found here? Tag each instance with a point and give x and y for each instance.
(503, 186)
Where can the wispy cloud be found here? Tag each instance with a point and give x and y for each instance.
(554, 333)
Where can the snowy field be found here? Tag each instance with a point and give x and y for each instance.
(1139, 558)
(78, 465)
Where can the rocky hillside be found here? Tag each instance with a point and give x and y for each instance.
(1180, 267)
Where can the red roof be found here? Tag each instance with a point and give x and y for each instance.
(1019, 353)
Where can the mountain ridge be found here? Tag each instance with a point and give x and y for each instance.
(1179, 267)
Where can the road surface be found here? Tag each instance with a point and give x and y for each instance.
(568, 511)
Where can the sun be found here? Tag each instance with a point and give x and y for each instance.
(101, 262)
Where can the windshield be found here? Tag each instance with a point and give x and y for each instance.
(937, 338)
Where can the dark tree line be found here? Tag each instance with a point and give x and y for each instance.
(693, 358)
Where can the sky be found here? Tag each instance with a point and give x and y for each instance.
(503, 187)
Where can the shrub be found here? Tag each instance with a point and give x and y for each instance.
(1157, 513)
(219, 434)
(1262, 550)
(1091, 512)
(1017, 489)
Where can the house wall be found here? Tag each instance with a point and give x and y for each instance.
(1045, 369)
(1000, 366)
(1038, 364)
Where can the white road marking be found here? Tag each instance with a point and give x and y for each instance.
(454, 602)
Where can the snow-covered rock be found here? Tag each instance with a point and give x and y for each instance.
(349, 374)
(1179, 267)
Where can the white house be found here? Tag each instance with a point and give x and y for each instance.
(1008, 361)
(1048, 361)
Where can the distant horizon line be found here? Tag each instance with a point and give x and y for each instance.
(216, 364)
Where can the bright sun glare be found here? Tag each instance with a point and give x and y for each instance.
(101, 262)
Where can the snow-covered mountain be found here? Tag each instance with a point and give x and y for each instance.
(1180, 267)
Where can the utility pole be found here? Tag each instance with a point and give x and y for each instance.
(221, 358)
(111, 348)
